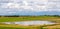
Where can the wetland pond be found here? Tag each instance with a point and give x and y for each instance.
(31, 23)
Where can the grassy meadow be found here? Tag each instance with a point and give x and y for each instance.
(30, 18)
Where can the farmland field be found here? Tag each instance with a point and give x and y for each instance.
(29, 18)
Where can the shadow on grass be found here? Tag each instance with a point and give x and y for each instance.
(11, 28)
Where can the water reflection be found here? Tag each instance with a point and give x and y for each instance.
(31, 23)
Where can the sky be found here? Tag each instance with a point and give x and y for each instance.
(29, 7)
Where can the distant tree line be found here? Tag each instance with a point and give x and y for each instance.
(52, 15)
(28, 15)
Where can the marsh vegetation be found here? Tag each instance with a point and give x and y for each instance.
(54, 18)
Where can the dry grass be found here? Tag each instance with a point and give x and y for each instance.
(56, 26)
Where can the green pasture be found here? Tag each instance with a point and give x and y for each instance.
(27, 18)
(30, 18)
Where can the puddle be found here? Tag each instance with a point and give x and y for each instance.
(31, 23)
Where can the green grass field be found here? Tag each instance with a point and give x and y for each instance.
(12, 19)
(28, 18)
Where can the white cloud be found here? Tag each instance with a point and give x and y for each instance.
(12, 5)
(29, 5)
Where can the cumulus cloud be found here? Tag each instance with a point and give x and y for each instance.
(34, 6)
(28, 5)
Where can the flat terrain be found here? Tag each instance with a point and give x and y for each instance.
(29, 18)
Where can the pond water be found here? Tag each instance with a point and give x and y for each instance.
(31, 23)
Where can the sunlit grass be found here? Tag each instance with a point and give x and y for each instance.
(11, 19)
(14, 19)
